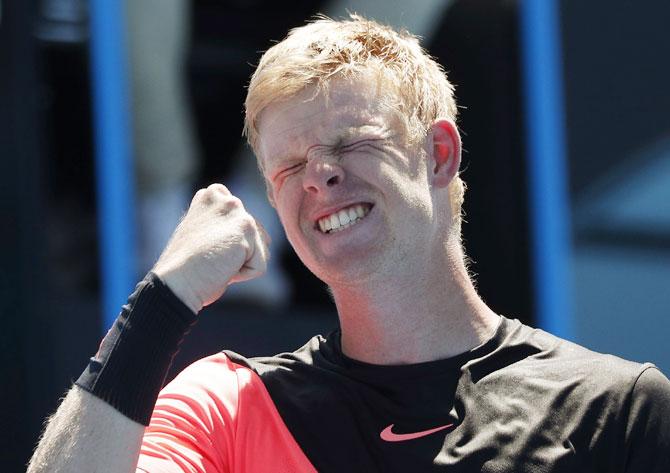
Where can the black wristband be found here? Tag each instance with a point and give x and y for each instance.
(134, 357)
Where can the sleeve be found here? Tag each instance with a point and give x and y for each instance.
(648, 427)
(193, 425)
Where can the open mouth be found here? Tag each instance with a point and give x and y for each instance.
(343, 218)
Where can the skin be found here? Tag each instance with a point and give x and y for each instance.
(398, 278)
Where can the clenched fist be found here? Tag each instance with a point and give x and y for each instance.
(216, 243)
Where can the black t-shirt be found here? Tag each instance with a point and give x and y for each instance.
(524, 401)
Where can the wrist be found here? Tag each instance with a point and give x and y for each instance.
(180, 287)
(129, 369)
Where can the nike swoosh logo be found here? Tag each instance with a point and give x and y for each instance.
(388, 435)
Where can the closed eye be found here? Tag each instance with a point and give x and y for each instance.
(284, 173)
(291, 169)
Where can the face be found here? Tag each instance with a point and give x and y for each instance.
(353, 196)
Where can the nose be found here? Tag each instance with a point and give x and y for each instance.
(322, 173)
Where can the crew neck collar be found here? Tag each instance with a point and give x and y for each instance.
(332, 350)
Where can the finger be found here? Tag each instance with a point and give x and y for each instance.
(256, 264)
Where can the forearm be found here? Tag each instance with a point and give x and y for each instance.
(101, 421)
(87, 434)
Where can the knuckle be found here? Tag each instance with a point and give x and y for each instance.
(218, 188)
(199, 195)
(211, 194)
(205, 196)
(232, 202)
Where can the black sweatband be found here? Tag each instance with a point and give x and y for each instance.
(134, 357)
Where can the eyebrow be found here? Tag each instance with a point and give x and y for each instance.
(340, 147)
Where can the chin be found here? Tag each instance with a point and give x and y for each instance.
(338, 271)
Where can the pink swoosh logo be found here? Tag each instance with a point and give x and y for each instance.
(388, 435)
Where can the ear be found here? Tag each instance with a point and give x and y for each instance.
(444, 152)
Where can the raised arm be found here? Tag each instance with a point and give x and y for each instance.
(100, 423)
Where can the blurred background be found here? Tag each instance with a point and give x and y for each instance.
(113, 113)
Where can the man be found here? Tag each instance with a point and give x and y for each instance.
(353, 126)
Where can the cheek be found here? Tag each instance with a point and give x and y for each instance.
(287, 203)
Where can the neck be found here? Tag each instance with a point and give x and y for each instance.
(413, 318)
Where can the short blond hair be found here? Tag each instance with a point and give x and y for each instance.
(315, 53)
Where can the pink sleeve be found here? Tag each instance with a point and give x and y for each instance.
(217, 417)
(193, 425)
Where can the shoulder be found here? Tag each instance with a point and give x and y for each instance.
(210, 383)
(212, 393)
(607, 381)
(308, 356)
(552, 356)
(195, 419)
(226, 375)
(214, 415)
(206, 373)
(533, 362)
(616, 409)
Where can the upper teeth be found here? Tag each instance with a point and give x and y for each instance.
(343, 219)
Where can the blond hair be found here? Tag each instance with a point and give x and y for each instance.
(313, 54)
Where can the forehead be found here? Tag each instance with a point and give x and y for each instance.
(345, 110)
